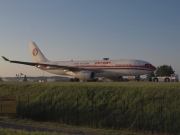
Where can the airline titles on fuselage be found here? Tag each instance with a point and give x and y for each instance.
(95, 63)
(81, 63)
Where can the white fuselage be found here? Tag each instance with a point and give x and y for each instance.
(109, 68)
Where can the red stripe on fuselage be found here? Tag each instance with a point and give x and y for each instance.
(111, 67)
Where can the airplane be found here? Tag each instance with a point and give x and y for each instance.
(87, 70)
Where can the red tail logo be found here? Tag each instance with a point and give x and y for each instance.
(35, 51)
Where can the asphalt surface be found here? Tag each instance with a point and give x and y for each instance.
(39, 129)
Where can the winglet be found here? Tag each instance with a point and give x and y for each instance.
(5, 58)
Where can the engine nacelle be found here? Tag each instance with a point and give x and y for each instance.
(84, 75)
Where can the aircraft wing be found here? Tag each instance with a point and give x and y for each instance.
(52, 65)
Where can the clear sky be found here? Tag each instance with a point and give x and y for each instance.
(89, 30)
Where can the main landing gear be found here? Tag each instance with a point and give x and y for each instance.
(137, 78)
(74, 80)
(78, 80)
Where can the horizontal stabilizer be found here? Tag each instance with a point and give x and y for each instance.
(5, 58)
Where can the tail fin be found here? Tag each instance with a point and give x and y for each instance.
(37, 55)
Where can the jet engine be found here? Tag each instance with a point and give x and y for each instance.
(84, 75)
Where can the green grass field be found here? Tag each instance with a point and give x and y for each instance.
(137, 106)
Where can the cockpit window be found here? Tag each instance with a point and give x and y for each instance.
(148, 65)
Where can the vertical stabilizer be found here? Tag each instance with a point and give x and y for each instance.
(37, 55)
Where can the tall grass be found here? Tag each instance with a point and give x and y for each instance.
(134, 105)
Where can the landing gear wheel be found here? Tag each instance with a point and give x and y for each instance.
(77, 80)
(167, 80)
(137, 78)
(74, 80)
(155, 80)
